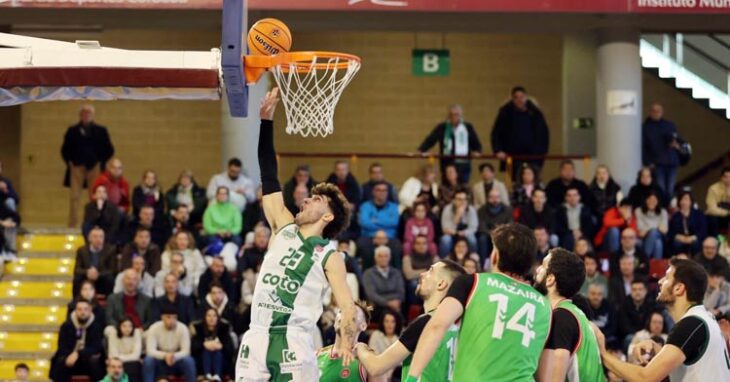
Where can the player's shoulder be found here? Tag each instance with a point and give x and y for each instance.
(288, 231)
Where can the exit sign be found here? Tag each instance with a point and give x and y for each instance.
(431, 62)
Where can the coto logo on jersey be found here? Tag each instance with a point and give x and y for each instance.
(282, 282)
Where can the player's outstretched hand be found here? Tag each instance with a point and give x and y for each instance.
(268, 104)
(346, 355)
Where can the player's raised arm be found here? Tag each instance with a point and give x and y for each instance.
(446, 314)
(273, 201)
(335, 270)
(378, 364)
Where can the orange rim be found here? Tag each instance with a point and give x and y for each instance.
(256, 65)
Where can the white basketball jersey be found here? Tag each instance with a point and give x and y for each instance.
(291, 284)
(714, 364)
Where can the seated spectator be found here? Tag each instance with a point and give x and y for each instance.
(449, 186)
(606, 192)
(415, 263)
(168, 349)
(146, 283)
(211, 345)
(115, 371)
(574, 220)
(629, 247)
(593, 275)
(615, 220)
(100, 213)
(184, 244)
(300, 194)
(217, 299)
(603, 315)
(653, 223)
(634, 311)
(117, 187)
(171, 295)
(709, 259)
(96, 262)
(302, 178)
(88, 293)
(388, 331)
(458, 219)
(148, 193)
(543, 242)
(241, 189)
(490, 215)
(526, 183)
(21, 369)
(420, 188)
(538, 213)
(215, 272)
(583, 248)
(718, 203)
(159, 231)
(252, 257)
(480, 190)
(460, 252)
(653, 328)
(222, 220)
(186, 280)
(80, 349)
(128, 303)
(383, 284)
(556, 189)
(346, 182)
(186, 192)
(8, 196)
(644, 186)
(379, 213)
(9, 222)
(142, 246)
(376, 177)
(419, 225)
(619, 285)
(717, 295)
(687, 226)
(125, 345)
(471, 266)
(180, 220)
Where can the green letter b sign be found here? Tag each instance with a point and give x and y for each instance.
(430, 62)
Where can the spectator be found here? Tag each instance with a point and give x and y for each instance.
(300, 194)
(384, 285)
(79, 350)
(217, 299)
(117, 187)
(168, 349)
(146, 284)
(606, 192)
(366, 249)
(526, 183)
(538, 213)
(659, 148)
(186, 192)
(574, 220)
(687, 226)
(376, 177)
(241, 189)
(619, 284)
(603, 315)
(419, 225)
(456, 138)
(142, 246)
(718, 203)
(248, 284)
(85, 151)
(125, 345)
(302, 178)
(520, 129)
(420, 188)
(148, 193)
(8, 195)
(180, 220)
(379, 214)
(100, 213)
(253, 256)
(346, 182)
(471, 266)
(634, 311)
(222, 220)
(460, 252)
(458, 219)
(558, 187)
(415, 263)
(115, 371)
(9, 222)
(159, 233)
(717, 295)
(96, 262)
(542, 236)
(21, 371)
(653, 328)
(389, 328)
(629, 247)
(653, 224)
(186, 282)
(211, 345)
(490, 215)
(644, 186)
(194, 265)
(88, 293)
(583, 248)
(593, 275)
(171, 295)
(709, 259)
(480, 190)
(128, 303)
(615, 220)
(449, 185)
(215, 272)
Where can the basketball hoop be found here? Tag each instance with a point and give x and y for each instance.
(310, 85)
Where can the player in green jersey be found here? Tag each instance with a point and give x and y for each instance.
(504, 321)
(432, 288)
(571, 353)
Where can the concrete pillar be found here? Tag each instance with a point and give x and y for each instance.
(240, 136)
(618, 104)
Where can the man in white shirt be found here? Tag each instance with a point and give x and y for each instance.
(242, 188)
(168, 349)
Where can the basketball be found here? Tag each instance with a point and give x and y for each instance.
(269, 37)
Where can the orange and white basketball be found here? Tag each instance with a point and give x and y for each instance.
(269, 37)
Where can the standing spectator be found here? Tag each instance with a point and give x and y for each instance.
(21, 372)
(384, 285)
(211, 345)
(659, 148)
(606, 192)
(419, 225)
(603, 315)
(718, 203)
(480, 190)
(574, 220)
(217, 299)
(168, 349)
(144, 247)
(619, 285)
(96, 262)
(456, 138)
(629, 247)
(216, 272)
(634, 311)
(117, 187)
(242, 190)
(653, 223)
(376, 175)
(593, 275)
(194, 265)
(302, 178)
(420, 188)
(458, 219)
(615, 220)
(346, 182)
(687, 226)
(490, 215)
(449, 185)
(520, 129)
(80, 349)
(538, 213)
(171, 295)
(653, 328)
(128, 303)
(125, 345)
(146, 284)
(186, 192)
(526, 183)
(416, 262)
(115, 371)
(147, 219)
(99, 212)
(709, 259)
(645, 185)
(717, 295)
(85, 151)
(148, 193)
(557, 187)
(8, 195)
(222, 220)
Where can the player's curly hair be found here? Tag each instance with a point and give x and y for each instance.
(339, 206)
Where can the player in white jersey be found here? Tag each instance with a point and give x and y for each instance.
(695, 350)
(300, 264)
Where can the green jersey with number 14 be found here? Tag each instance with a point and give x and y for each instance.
(503, 331)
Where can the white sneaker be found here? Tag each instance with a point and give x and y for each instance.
(216, 378)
